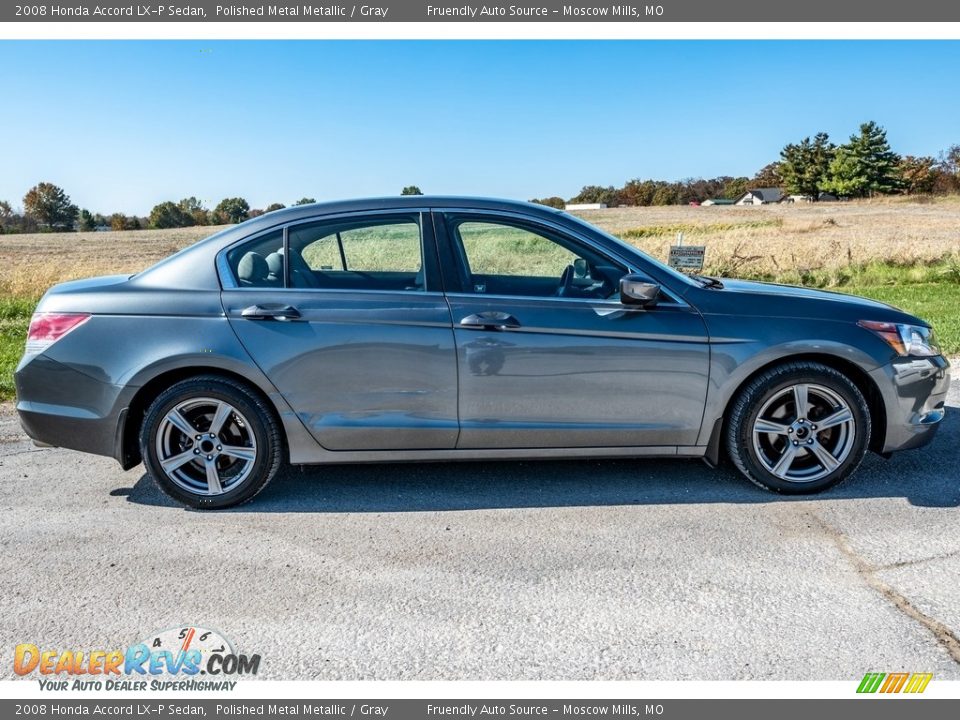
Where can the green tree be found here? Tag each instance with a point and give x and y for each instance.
(768, 176)
(865, 166)
(949, 160)
(804, 166)
(169, 215)
(305, 201)
(846, 178)
(86, 221)
(195, 209)
(274, 206)
(553, 201)
(735, 188)
(118, 221)
(231, 210)
(50, 205)
(6, 216)
(688, 190)
(411, 190)
(918, 174)
(948, 170)
(639, 192)
(597, 194)
(666, 194)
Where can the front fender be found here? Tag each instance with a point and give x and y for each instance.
(734, 358)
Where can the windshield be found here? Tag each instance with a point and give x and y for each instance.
(661, 266)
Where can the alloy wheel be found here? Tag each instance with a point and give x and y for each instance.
(206, 446)
(803, 433)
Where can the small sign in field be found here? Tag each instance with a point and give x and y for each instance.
(687, 257)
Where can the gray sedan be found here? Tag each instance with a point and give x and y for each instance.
(445, 328)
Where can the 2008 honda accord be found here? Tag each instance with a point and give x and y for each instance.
(419, 328)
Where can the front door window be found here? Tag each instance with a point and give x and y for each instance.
(516, 259)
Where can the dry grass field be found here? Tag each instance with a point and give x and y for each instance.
(787, 242)
(817, 243)
(29, 264)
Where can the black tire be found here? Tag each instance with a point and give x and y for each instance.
(807, 469)
(249, 427)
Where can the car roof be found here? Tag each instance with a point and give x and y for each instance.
(408, 201)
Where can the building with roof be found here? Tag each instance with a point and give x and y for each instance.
(585, 206)
(717, 201)
(760, 196)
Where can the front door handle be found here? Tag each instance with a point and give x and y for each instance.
(491, 320)
(271, 312)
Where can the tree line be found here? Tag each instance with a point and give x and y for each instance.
(47, 207)
(864, 166)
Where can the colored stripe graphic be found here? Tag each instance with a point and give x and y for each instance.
(894, 682)
(870, 682)
(918, 682)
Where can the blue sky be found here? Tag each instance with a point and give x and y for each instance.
(124, 125)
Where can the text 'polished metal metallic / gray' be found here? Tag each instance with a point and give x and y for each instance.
(731, 11)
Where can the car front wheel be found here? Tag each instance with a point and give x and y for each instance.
(209, 442)
(798, 428)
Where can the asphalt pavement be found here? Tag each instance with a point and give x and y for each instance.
(515, 570)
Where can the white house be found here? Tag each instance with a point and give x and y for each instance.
(760, 196)
(716, 201)
(585, 206)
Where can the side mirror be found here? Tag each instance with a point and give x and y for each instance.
(637, 290)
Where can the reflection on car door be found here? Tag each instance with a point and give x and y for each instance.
(362, 351)
(546, 372)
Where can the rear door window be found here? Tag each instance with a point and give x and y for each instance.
(259, 263)
(381, 252)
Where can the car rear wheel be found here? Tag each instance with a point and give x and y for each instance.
(209, 442)
(798, 428)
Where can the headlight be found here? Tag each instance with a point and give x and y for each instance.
(913, 340)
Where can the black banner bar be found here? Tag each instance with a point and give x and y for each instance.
(438, 11)
(872, 708)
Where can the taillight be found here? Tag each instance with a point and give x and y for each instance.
(47, 328)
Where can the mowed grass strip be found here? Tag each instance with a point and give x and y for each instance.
(14, 320)
(701, 229)
(937, 303)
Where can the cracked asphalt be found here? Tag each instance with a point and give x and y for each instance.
(520, 570)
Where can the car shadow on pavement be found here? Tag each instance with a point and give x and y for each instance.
(929, 477)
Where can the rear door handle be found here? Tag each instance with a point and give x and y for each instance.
(271, 312)
(491, 320)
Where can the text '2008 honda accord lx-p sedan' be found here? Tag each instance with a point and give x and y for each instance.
(419, 328)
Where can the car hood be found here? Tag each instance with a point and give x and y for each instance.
(759, 298)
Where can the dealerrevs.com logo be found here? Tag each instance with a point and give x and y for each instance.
(184, 658)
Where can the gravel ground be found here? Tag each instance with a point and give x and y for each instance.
(520, 570)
